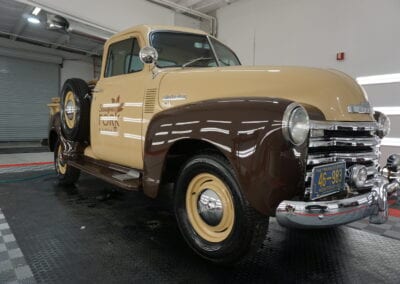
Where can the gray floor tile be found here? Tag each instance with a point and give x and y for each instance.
(23, 272)
(374, 229)
(8, 238)
(358, 225)
(392, 234)
(15, 253)
(5, 265)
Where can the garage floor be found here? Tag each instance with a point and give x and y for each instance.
(95, 233)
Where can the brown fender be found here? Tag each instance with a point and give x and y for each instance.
(248, 132)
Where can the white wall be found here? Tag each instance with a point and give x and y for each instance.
(185, 21)
(311, 32)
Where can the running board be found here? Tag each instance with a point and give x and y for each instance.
(126, 178)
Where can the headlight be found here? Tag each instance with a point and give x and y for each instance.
(296, 124)
(383, 124)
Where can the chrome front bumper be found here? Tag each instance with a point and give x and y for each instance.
(325, 214)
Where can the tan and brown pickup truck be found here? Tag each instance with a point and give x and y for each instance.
(240, 144)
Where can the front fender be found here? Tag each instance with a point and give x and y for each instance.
(248, 131)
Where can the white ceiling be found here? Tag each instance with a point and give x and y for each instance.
(14, 25)
(204, 6)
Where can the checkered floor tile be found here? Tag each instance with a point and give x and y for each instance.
(390, 229)
(13, 267)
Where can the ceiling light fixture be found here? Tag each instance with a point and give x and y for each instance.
(379, 79)
(395, 110)
(33, 20)
(390, 141)
(36, 11)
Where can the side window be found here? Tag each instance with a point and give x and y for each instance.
(123, 58)
(225, 55)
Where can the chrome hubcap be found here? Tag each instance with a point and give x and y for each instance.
(210, 207)
(70, 110)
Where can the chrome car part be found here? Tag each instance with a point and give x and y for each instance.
(356, 143)
(383, 124)
(358, 175)
(148, 55)
(364, 107)
(295, 124)
(324, 214)
(210, 207)
(393, 163)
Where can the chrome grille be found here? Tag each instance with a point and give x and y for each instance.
(352, 142)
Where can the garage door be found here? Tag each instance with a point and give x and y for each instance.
(25, 89)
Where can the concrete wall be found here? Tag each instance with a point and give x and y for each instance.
(76, 69)
(311, 32)
(185, 21)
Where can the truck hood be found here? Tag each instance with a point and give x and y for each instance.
(329, 90)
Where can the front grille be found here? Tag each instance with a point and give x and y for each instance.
(352, 142)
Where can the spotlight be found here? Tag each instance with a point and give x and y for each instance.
(33, 20)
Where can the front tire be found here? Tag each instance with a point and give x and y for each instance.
(66, 174)
(213, 215)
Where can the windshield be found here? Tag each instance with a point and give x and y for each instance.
(184, 50)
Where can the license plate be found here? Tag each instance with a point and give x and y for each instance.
(327, 180)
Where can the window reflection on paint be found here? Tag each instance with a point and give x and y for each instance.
(246, 153)
(214, 129)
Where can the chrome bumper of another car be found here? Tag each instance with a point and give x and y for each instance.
(325, 214)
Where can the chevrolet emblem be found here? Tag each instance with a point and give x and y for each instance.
(364, 107)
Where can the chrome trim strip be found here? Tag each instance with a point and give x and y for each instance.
(339, 125)
(344, 141)
(349, 157)
(214, 52)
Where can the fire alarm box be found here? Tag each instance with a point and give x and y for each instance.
(340, 56)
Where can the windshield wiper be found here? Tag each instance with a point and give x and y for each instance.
(196, 60)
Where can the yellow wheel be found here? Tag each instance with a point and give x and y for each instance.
(66, 174)
(61, 166)
(212, 213)
(209, 207)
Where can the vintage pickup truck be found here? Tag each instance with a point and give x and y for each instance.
(174, 106)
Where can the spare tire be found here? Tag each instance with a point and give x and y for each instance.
(75, 110)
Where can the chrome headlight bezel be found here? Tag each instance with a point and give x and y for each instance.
(296, 124)
(383, 124)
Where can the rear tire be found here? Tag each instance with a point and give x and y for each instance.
(66, 174)
(75, 110)
(206, 184)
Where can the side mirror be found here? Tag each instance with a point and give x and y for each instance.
(148, 55)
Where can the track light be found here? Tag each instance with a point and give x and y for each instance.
(33, 20)
(36, 11)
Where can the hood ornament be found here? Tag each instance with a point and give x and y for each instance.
(364, 107)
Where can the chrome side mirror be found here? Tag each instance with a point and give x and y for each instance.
(148, 55)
